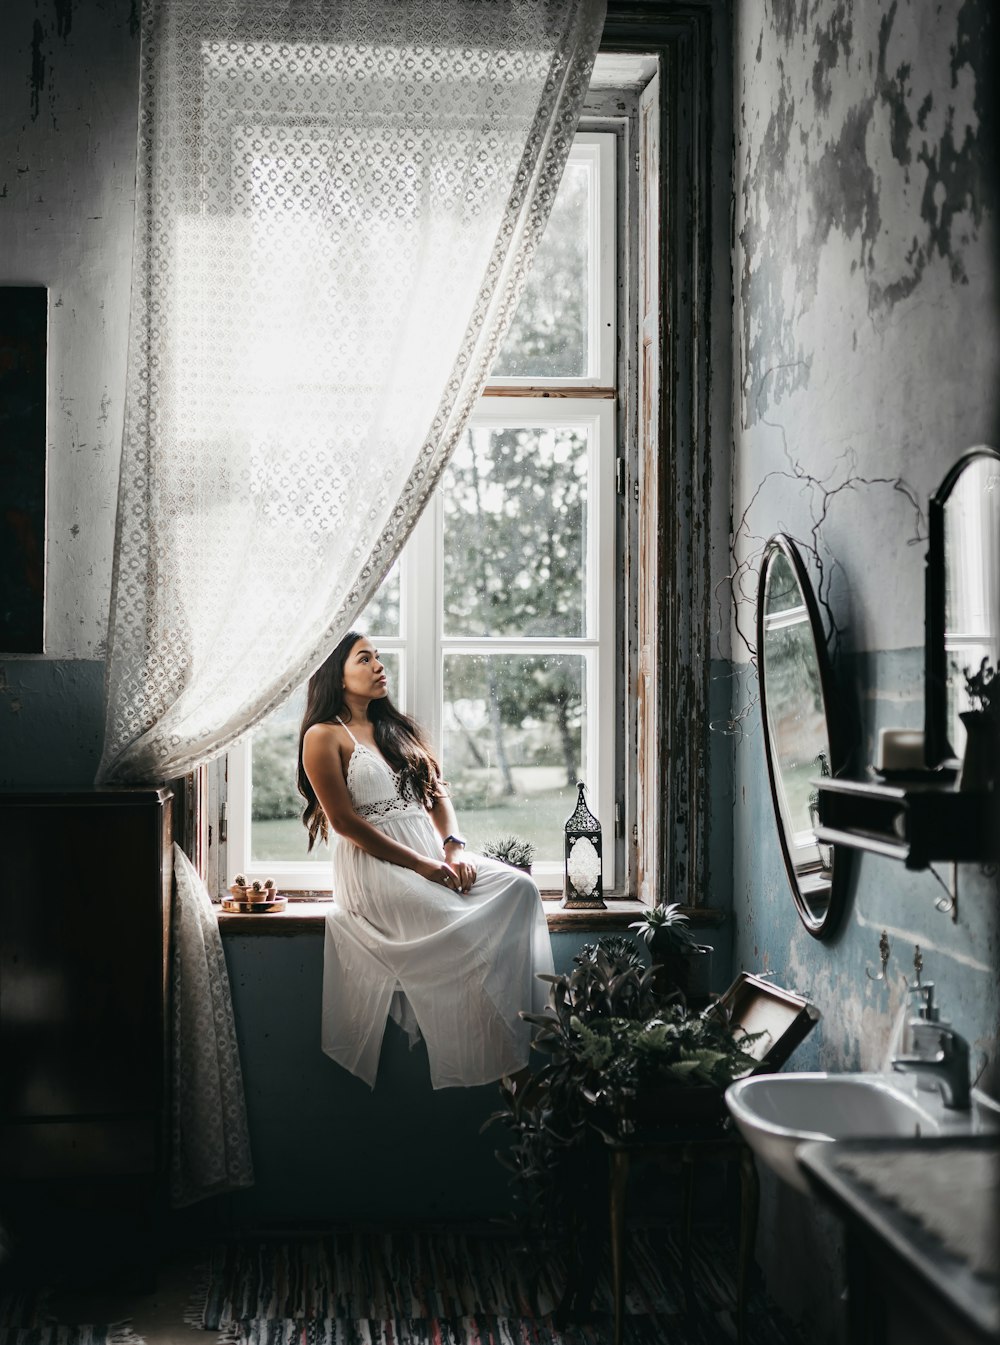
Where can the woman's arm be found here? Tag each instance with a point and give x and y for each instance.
(443, 815)
(322, 763)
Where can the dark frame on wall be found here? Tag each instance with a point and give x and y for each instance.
(24, 313)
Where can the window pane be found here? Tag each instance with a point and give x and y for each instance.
(515, 532)
(381, 616)
(276, 830)
(514, 744)
(549, 335)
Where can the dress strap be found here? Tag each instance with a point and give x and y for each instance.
(349, 733)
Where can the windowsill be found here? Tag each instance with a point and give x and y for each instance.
(301, 917)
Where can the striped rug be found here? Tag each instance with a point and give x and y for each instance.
(407, 1288)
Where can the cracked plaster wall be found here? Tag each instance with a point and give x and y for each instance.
(866, 340)
(69, 82)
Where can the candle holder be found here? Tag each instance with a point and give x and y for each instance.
(583, 889)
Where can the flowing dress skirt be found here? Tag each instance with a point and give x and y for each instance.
(455, 969)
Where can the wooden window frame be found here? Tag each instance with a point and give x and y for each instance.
(670, 807)
(671, 668)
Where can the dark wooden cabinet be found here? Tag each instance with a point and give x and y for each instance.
(85, 894)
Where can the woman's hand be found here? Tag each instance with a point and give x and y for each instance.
(466, 873)
(436, 871)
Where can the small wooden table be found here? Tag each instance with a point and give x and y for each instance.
(687, 1149)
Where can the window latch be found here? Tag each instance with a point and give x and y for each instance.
(224, 824)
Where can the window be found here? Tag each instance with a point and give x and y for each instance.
(497, 623)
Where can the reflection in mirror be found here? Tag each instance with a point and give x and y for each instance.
(971, 583)
(963, 594)
(794, 687)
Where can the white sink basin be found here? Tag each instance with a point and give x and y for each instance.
(778, 1112)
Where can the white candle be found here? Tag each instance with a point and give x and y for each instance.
(900, 750)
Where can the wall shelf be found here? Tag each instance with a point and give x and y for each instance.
(917, 822)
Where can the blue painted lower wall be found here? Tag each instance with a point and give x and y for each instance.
(326, 1148)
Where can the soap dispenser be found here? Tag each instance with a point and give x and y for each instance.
(924, 1029)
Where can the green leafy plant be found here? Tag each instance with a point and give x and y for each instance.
(510, 849)
(610, 1040)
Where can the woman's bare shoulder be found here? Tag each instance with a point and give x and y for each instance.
(324, 730)
(318, 737)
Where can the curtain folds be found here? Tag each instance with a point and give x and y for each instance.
(336, 207)
(210, 1139)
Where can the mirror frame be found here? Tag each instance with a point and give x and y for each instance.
(781, 543)
(938, 750)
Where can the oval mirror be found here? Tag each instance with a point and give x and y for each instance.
(800, 741)
(963, 595)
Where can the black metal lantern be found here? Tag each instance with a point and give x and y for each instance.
(583, 889)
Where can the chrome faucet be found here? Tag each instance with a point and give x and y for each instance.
(940, 1057)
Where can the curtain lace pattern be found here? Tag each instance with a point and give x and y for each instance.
(336, 208)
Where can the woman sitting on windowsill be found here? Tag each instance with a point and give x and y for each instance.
(449, 943)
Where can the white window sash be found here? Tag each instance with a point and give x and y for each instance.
(421, 642)
(595, 149)
(597, 420)
(423, 645)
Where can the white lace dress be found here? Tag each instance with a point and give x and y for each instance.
(453, 968)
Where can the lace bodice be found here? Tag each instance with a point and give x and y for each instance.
(375, 788)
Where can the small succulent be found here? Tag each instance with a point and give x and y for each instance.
(666, 924)
(241, 880)
(510, 849)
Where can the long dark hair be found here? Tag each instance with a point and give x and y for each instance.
(397, 737)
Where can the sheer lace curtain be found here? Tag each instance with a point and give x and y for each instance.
(336, 206)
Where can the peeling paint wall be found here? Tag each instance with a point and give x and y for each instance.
(69, 76)
(866, 340)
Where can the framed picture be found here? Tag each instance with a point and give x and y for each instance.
(23, 351)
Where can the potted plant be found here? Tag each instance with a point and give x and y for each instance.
(982, 728)
(686, 964)
(617, 1052)
(255, 891)
(512, 850)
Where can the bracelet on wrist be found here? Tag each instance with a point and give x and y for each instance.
(453, 840)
